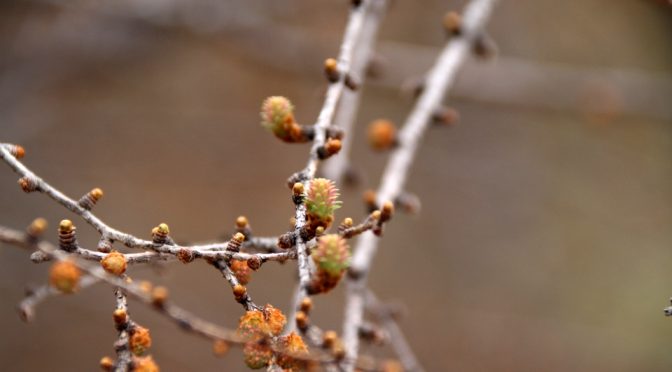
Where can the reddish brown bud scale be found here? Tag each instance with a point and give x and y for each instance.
(67, 239)
(333, 146)
(298, 189)
(27, 184)
(185, 255)
(387, 211)
(91, 198)
(17, 151)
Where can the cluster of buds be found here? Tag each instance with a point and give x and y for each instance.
(277, 115)
(140, 340)
(160, 234)
(144, 364)
(382, 135)
(90, 198)
(67, 239)
(258, 327)
(292, 346)
(321, 202)
(114, 263)
(331, 258)
(65, 276)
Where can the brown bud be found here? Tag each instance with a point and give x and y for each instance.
(64, 276)
(331, 70)
(306, 305)
(301, 320)
(239, 292)
(329, 339)
(114, 263)
(160, 234)
(298, 189)
(446, 116)
(145, 286)
(185, 255)
(159, 296)
(254, 263)
(27, 184)
(17, 151)
(319, 230)
(37, 227)
(239, 237)
(382, 134)
(120, 316)
(387, 211)
(350, 82)
(106, 363)
(220, 348)
(140, 340)
(67, 239)
(375, 215)
(452, 23)
(90, 199)
(241, 222)
(333, 146)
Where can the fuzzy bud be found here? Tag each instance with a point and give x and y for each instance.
(64, 276)
(144, 364)
(253, 325)
(292, 345)
(140, 340)
(114, 263)
(277, 115)
(332, 258)
(241, 270)
(275, 319)
(258, 354)
(321, 202)
(382, 135)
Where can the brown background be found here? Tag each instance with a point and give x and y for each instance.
(544, 240)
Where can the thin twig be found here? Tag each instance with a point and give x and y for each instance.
(438, 81)
(27, 306)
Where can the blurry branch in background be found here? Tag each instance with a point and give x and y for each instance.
(439, 79)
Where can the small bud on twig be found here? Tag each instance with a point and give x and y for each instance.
(446, 116)
(160, 234)
(159, 296)
(106, 363)
(301, 320)
(331, 70)
(306, 305)
(17, 151)
(36, 228)
(114, 263)
(452, 23)
(67, 240)
(220, 348)
(239, 292)
(120, 316)
(90, 199)
(64, 276)
(27, 184)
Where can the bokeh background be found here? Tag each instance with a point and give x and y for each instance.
(544, 242)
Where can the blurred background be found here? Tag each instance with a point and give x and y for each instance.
(544, 242)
